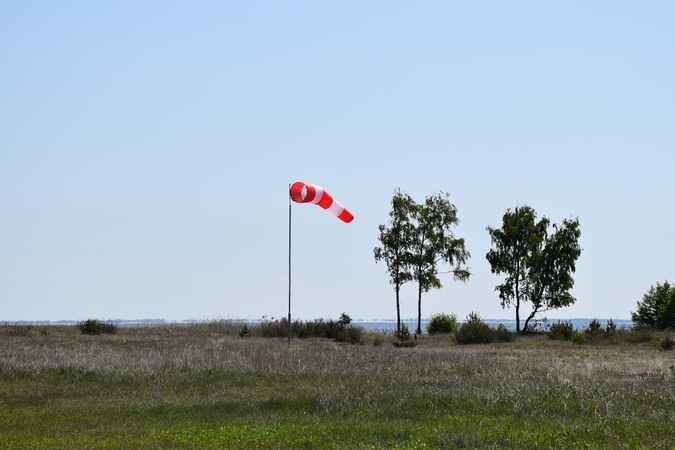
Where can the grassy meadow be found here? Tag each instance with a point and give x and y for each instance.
(203, 386)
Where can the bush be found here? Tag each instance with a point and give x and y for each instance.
(667, 343)
(561, 331)
(404, 337)
(594, 331)
(339, 331)
(442, 323)
(474, 331)
(93, 326)
(503, 334)
(245, 331)
(345, 319)
(610, 329)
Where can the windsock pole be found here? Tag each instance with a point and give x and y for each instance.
(301, 192)
(289, 268)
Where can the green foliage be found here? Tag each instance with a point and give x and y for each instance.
(503, 334)
(245, 331)
(667, 343)
(345, 319)
(442, 323)
(579, 338)
(404, 337)
(340, 331)
(594, 331)
(185, 390)
(434, 243)
(475, 331)
(94, 326)
(657, 308)
(561, 331)
(538, 264)
(419, 238)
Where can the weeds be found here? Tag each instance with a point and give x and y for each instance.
(184, 386)
(16, 329)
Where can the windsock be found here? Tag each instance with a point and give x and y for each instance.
(310, 193)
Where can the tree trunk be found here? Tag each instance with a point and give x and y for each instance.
(527, 321)
(419, 308)
(517, 295)
(517, 310)
(398, 310)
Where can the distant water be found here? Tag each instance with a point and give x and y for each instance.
(367, 324)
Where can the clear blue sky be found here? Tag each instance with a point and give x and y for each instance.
(146, 149)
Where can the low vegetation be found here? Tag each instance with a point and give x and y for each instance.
(203, 386)
(475, 331)
(95, 326)
(339, 331)
(441, 323)
(561, 331)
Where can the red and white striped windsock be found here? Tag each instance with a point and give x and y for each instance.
(310, 193)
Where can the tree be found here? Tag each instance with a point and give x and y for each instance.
(538, 265)
(657, 308)
(434, 243)
(395, 250)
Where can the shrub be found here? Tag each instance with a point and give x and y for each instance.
(503, 334)
(474, 331)
(245, 331)
(561, 331)
(345, 319)
(636, 334)
(93, 326)
(274, 328)
(610, 329)
(404, 338)
(442, 323)
(594, 331)
(667, 343)
(339, 331)
(579, 338)
(349, 334)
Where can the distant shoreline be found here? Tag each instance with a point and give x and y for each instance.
(367, 324)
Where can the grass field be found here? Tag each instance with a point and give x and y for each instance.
(202, 386)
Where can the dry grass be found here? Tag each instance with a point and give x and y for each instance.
(214, 377)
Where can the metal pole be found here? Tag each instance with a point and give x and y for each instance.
(289, 266)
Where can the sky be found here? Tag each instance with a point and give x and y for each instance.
(146, 149)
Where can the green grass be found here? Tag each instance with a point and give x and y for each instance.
(204, 387)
